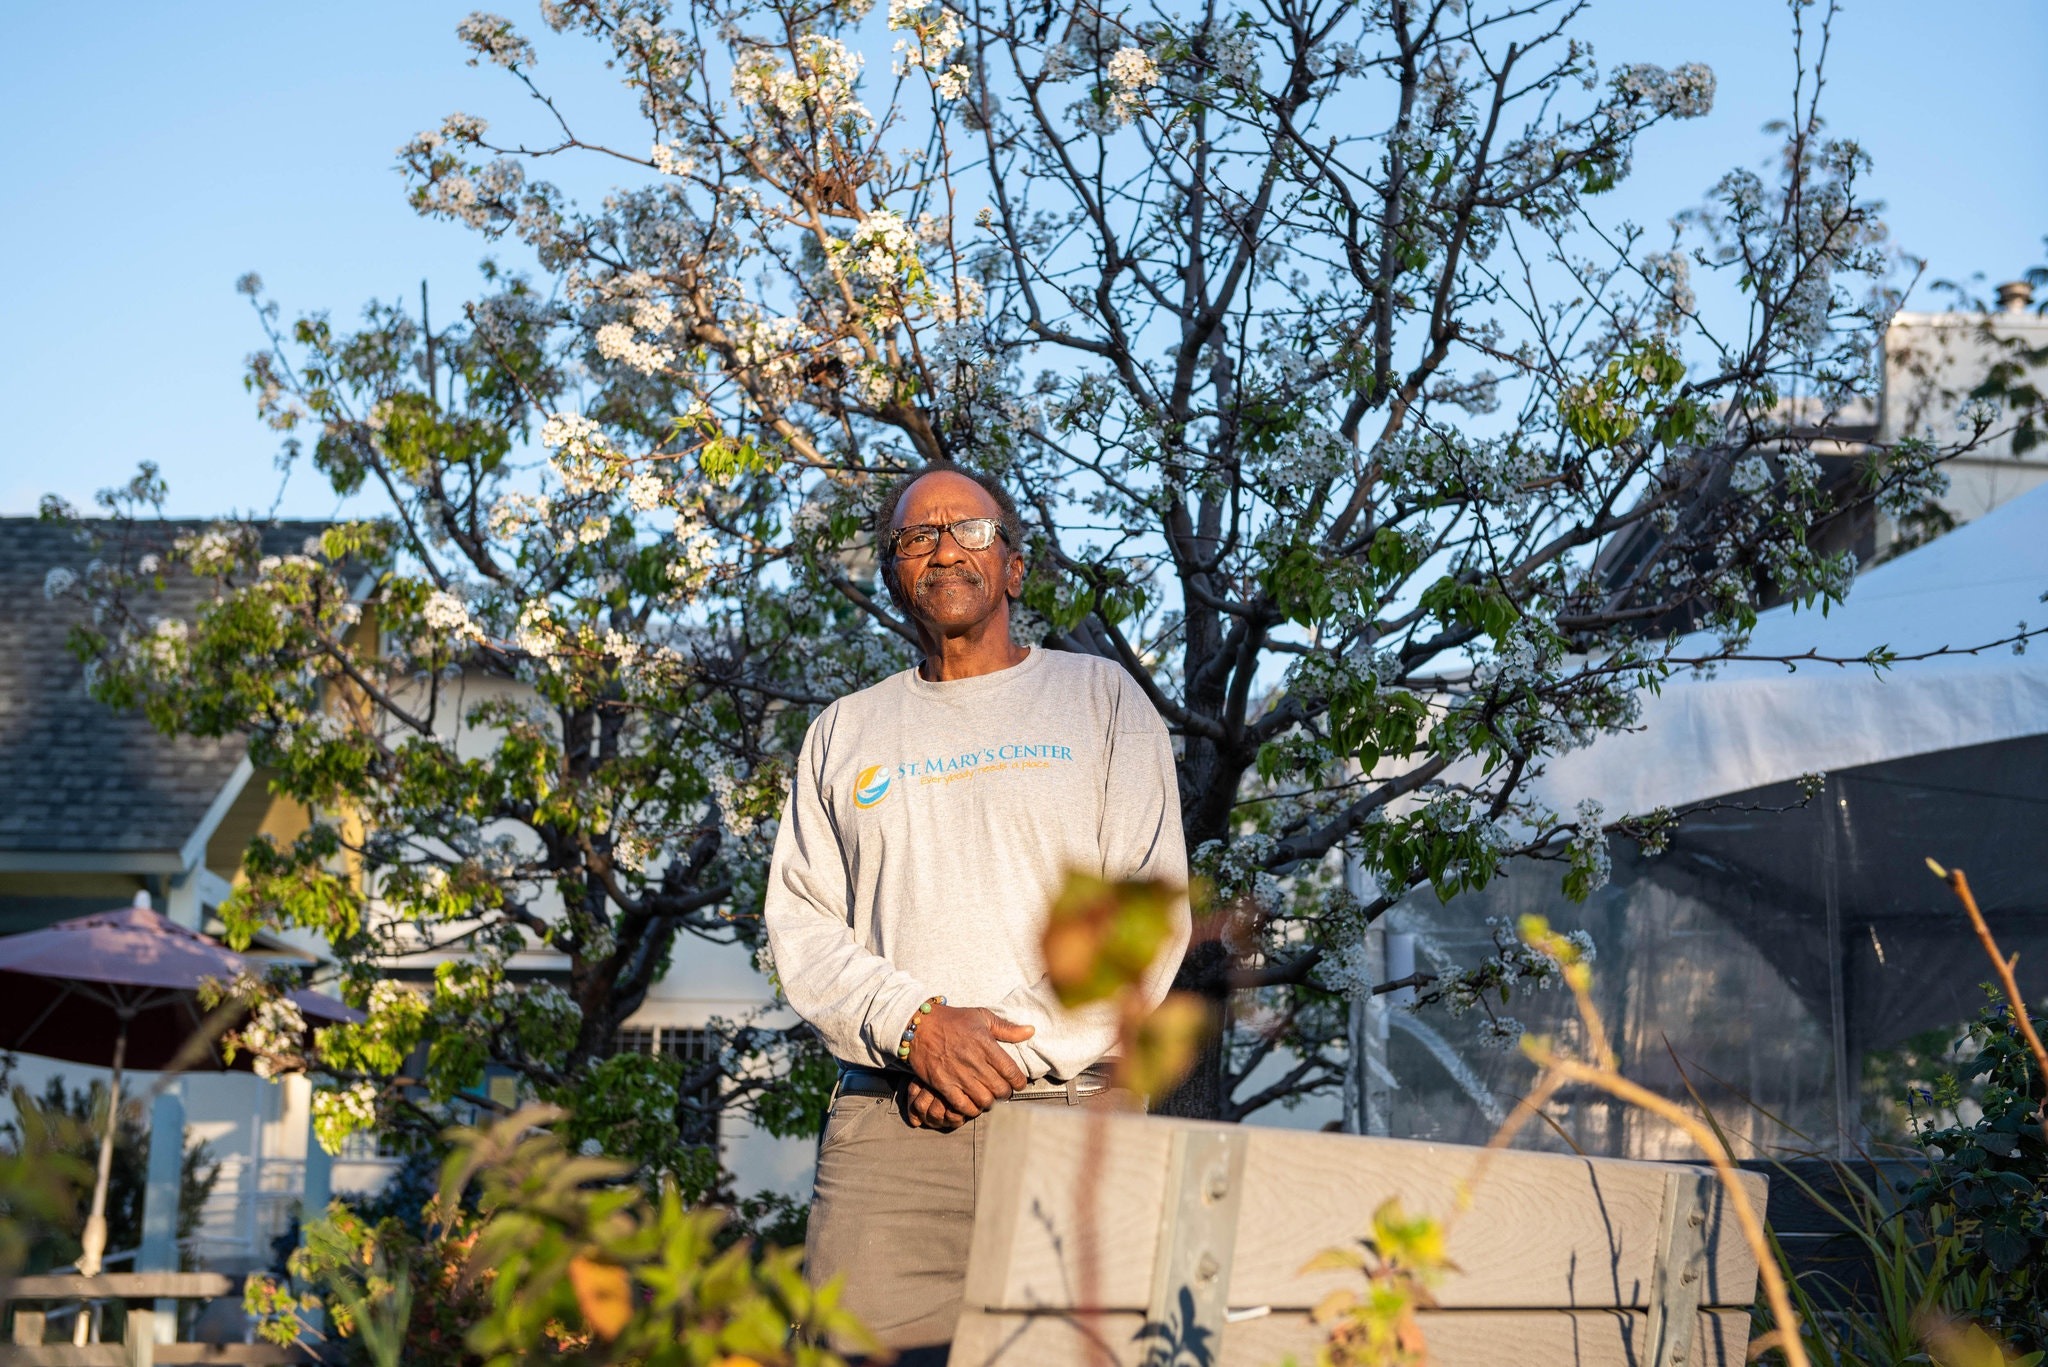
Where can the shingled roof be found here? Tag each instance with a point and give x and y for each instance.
(77, 777)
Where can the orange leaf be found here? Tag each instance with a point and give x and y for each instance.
(605, 1295)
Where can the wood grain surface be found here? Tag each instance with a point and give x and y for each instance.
(1455, 1338)
(1543, 1231)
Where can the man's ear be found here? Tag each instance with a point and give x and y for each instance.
(1013, 577)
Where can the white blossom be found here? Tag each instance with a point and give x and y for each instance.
(513, 513)
(1751, 475)
(166, 643)
(212, 551)
(616, 342)
(1685, 92)
(645, 491)
(341, 1113)
(58, 582)
(1500, 1032)
(536, 633)
(1234, 55)
(821, 83)
(492, 38)
(1588, 846)
(1671, 274)
(276, 1027)
(1132, 72)
(670, 162)
(934, 35)
(449, 615)
(883, 249)
(583, 458)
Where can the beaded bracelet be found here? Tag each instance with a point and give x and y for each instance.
(910, 1030)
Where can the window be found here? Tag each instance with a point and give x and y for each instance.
(692, 1048)
(369, 1146)
(637, 1039)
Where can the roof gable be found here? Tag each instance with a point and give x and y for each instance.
(77, 777)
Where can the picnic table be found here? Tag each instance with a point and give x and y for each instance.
(30, 1298)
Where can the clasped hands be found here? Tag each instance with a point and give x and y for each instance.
(960, 1067)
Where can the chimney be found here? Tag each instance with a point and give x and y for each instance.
(2015, 296)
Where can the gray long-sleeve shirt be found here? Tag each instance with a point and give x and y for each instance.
(930, 825)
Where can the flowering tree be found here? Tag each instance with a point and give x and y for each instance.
(1344, 420)
(517, 721)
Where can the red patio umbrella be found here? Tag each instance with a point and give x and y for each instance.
(121, 989)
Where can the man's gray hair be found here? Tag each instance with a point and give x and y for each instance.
(893, 491)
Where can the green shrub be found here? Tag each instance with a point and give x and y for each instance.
(535, 1249)
(1987, 1179)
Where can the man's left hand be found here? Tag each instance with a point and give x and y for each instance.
(928, 1111)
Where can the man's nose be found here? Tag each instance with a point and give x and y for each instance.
(948, 551)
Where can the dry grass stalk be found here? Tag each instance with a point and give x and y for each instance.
(1604, 1072)
(2006, 979)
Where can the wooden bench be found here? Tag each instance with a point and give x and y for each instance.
(139, 1291)
(1200, 1232)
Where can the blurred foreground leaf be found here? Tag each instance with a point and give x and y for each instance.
(1103, 936)
(1163, 1047)
(1952, 1344)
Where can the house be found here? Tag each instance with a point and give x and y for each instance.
(1931, 363)
(96, 806)
(1928, 363)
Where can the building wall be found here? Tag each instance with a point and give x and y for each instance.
(1931, 363)
(258, 1135)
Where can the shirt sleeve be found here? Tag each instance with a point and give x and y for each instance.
(1139, 837)
(855, 999)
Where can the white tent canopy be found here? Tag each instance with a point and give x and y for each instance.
(1785, 955)
(1754, 723)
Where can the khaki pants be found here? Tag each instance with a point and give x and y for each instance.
(894, 1213)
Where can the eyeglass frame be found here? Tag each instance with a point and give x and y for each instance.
(939, 530)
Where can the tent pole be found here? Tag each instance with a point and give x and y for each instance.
(1838, 1012)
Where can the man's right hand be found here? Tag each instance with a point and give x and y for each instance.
(958, 1056)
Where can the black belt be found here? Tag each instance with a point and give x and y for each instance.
(855, 1080)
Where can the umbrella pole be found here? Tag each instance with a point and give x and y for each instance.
(93, 1244)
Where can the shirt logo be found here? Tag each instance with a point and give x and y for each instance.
(870, 785)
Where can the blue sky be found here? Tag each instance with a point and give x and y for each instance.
(159, 151)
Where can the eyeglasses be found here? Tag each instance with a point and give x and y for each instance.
(969, 534)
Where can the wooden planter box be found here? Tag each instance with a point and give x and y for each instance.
(1199, 1232)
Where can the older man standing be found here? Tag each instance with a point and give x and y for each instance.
(931, 821)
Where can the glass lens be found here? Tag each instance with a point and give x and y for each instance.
(975, 533)
(970, 534)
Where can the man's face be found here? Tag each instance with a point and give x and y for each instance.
(952, 589)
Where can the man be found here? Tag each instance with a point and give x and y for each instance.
(931, 821)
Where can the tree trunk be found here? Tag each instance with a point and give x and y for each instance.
(1205, 971)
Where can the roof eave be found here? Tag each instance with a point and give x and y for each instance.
(92, 861)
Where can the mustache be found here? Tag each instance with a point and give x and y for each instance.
(935, 579)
